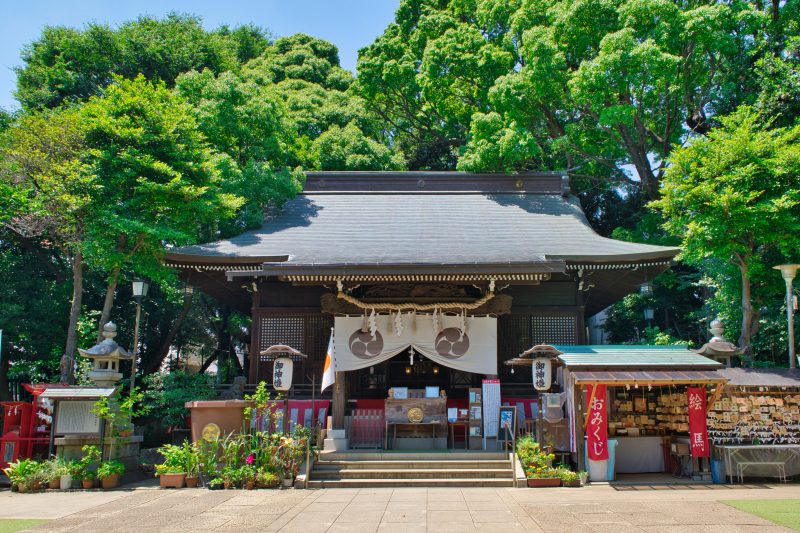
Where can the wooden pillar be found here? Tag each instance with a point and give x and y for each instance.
(338, 402)
(580, 429)
(255, 342)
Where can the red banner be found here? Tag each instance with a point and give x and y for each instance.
(698, 431)
(597, 423)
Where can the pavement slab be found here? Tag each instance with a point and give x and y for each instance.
(405, 510)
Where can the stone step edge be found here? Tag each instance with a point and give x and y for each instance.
(364, 471)
(459, 482)
(447, 464)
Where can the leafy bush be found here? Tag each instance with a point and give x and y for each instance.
(174, 460)
(110, 468)
(167, 395)
(24, 473)
(535, 462)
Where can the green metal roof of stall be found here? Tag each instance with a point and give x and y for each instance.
(633, 356)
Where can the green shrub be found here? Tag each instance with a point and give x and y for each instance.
(167, 395)
(110, 468)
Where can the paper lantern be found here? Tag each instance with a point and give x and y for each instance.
(282, 373)
(542, 373)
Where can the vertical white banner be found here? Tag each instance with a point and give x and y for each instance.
(491, 408)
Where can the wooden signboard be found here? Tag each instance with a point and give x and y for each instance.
(475, 419)
(507, 427)
(74, 417)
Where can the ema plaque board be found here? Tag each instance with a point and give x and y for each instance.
(76, 417)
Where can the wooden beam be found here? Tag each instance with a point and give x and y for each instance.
(589, 403)
(715, 396)
(579, 427)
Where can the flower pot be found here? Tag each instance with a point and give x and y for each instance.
(22, 488)
(573, 483)
(192, 481)
(288, 482)
(250, 485)
(110, 482)
(166, 481)
(544, 482)
(87, 483)
(54, 483)
(228, 484)
(214, 487)
(65, 482)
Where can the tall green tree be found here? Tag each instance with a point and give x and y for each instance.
(46, 191)
(734, 196)
(69, 65)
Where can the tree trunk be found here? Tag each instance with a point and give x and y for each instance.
(154, 364)
(747, 309)
(207, 362)
(68, 359)
(111, 289)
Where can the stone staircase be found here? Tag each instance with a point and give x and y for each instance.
(411, 469)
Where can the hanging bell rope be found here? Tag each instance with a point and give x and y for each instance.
(416, 307)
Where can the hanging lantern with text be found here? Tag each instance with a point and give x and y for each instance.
(282, 373)
(542, 373)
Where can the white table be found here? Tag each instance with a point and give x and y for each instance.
(756, 454)
(639, 455)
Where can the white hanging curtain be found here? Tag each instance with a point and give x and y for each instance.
(474, 351)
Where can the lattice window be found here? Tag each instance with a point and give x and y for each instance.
(288, 330)
(309, 334)
(553, 329)
(518, 332)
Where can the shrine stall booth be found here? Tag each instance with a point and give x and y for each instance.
(754, 425)
(25, 433)
(640, 409)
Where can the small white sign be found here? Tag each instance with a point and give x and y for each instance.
(75, 417)
(542, 373)
(282, 373)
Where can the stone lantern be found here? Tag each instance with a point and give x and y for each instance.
(718, 348)
(106, 358)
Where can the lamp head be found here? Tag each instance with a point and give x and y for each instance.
(140, 287)
(787, 271)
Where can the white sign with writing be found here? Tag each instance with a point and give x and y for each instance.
(282, 373)
(542, 373)
(76, 417)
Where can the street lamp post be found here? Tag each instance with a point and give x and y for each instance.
(788, 272)
(140, 287)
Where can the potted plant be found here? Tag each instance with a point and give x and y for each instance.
(172, 472)
(215, 484)
(83, 469)
(289, 456)
(584, 477)
(22, 474)
(543, 477)
(266, 479)
(230, 477)
(247, 474)
(537, 464)
(192, 464)
(569, 478)
(109, 472)
(63, 471)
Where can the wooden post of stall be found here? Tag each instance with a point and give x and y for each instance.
(338, 402)
(539, 420)
(579, 427)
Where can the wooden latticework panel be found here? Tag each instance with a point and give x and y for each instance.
(518, 332)
(308, 333)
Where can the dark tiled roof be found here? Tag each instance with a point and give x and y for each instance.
(762, 377)
(345, 226)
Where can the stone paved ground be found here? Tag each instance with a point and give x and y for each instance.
(595, 508)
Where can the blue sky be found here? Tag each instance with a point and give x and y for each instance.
(349, 24)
